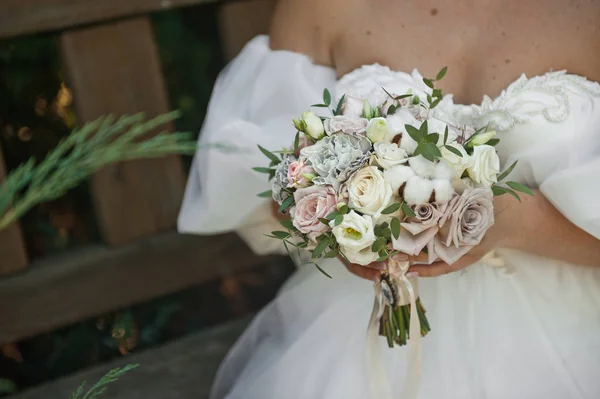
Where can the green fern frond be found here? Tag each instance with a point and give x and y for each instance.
(96, 144)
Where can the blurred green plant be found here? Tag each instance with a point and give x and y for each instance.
(99, 143)
(98, 389)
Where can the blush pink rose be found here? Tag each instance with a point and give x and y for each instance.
(297, 172)
(313, 203)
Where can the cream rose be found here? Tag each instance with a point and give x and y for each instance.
(388, 155)
(313, 203)
(355, 236)
(368, 192)
(484, 165)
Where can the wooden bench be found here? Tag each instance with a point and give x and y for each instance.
(107, 46)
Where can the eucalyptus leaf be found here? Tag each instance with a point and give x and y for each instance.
(387, 233)
(296, 141)
(498, 191)
(324, 221)
(392, 109)
(435, 103)
(260, 169)
(432, 138)
(453, 150)
(395, 227)
(520, 187)
(344, 209)
(338, 109)
(388, 93)
(429, 151)
(281, 234)
(414, 133)
(326, 97)
(338, 220)
(493, 142)
(333, 253)
(320, 105)
(269, 155)
(287, 224)
(378, 244)
(321, 246)
(446, 135)
(332, 215)
(424, 128)
(507, 172)
(428, 83)
(266, 194)
(322, 271)
(286, 203)
(441, 73)
(408, 210)
(391, 208)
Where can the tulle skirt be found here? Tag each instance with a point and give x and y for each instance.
(528, 330)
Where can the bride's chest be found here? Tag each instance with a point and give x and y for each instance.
(485, 44)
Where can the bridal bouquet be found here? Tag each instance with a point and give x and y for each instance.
(370, 181)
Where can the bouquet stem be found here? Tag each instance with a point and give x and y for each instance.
(395, 322)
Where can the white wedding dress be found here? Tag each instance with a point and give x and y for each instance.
(529, 329)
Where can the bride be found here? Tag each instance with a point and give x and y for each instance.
(526, 325)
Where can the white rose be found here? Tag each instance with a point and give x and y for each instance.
(397, 177)
(377, 129)
(458, 164)
(368, 192)
(484, 166)
(389, 154)
(482, 138)
(354, 235)
(363, 257)
(314, 125)
(422, 166)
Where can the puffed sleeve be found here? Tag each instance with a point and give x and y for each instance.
(253, 103)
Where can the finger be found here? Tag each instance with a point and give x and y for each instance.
(435, 269)
(422, 257)
(376, 265)
(364, 272)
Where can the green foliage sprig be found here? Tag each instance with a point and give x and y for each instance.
(96, 144)
(98, 389)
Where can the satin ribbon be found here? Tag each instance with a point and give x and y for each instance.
(378, 378)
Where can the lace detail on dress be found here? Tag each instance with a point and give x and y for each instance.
(546, 95)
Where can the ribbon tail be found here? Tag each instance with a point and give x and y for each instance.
(414, 364)
(377, 374)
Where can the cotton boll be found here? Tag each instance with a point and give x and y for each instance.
(398, 175)
(443, 190)
(422, 166)
(418, 190)
(408, 144)
(443, 171)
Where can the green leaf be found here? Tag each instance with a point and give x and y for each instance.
(266, 194)
(392, 109)
(324, 221)
(441, 73)
(395, 226)
(332, 254)
(344, 209)
(332, 215)
(507, 172)
(286, 203)
(281, 234)
(326, 97)
(498, 191)
(338, 109)
(414, 133)
(296, 141)
(269, 154)
(408, 210)
(320, 105)
(391, 208)
(446, 135)
(428, 83)
(322, 271)
(387, 233)
(7, 386)
(429, 99)
(511, 192)
(287, 224)
(338, 219)
(402, 96)
(263, 170)
(493, 142)
(519, 187)
(453, 150)
(437, 93)
(377, 230)
(435, 103)
(388, 93)
(378, 244)
(432, 138)
(321, 246)
(429, 151)
(424, 128)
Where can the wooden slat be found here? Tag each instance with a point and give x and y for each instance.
(13, 256)
(68, 288)
(241, 21)
(19, 17)
(114, 68)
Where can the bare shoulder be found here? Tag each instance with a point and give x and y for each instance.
(306, 26)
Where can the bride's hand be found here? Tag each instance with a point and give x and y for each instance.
(371, 271)
(497, 236)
